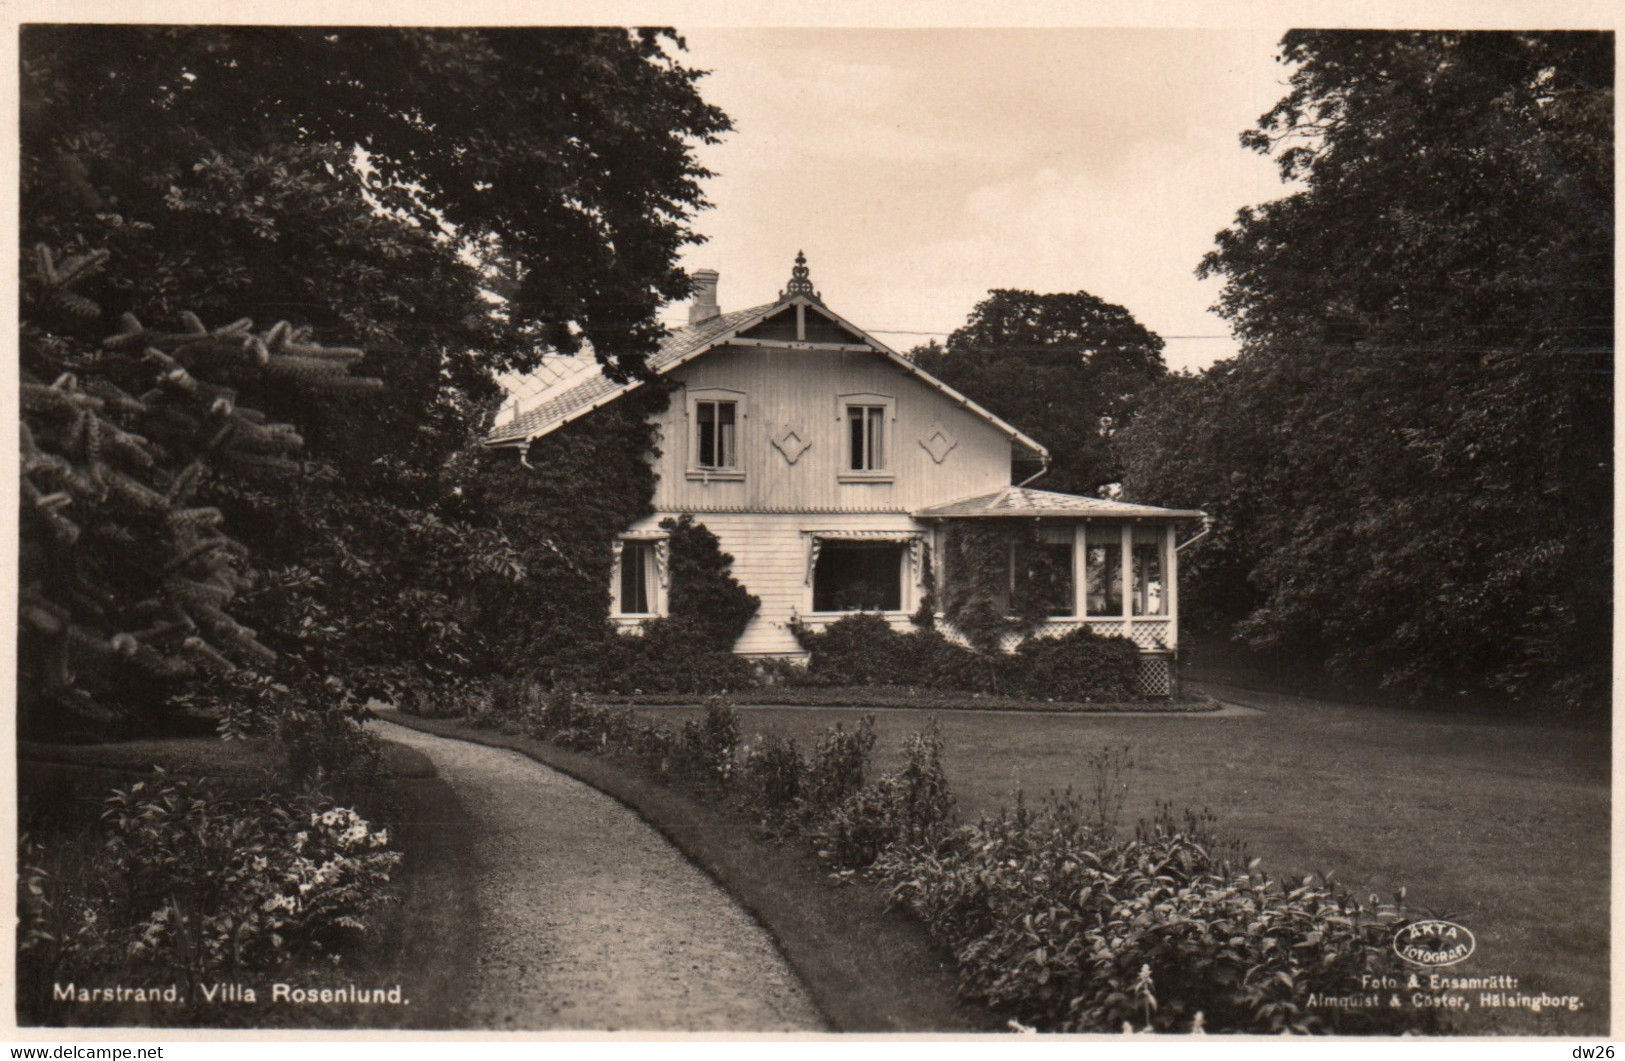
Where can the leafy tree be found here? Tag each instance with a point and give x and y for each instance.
(1411, 458)
(1067, 369)
(453, 201)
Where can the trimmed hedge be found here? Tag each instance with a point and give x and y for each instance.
(865, 649)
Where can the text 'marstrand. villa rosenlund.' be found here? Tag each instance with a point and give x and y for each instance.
(831, 468)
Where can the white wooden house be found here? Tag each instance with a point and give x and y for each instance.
(830, 467)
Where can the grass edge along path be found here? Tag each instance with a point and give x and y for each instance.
(867, 968)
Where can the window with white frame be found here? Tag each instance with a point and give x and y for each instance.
(851, 571)
(1150, 597)
(1103, 569)
(1041, 573)
(715, 417)
(867, 426)
(851, 576)
(639, 577)
(716, 443)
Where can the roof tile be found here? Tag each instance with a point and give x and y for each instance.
(598, 388)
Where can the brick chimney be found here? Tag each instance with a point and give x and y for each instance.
(704, 306)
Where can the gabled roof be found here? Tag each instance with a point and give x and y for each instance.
(1016, 502)
(685, 344)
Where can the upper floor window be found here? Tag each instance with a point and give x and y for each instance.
(867, 424)
(869, 420)
(717, 443)
(716, 416)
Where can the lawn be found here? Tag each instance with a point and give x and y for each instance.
(1499, 825)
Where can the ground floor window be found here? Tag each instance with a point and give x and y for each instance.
(637, 583)
(858, 576)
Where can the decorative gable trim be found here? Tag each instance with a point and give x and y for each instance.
(686, 344)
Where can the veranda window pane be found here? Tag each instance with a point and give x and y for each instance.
(1104, 575)
(1041, 578)
(1149, 598)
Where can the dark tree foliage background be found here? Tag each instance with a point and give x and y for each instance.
(1067, 369)
(1410, 462)
(451, 201)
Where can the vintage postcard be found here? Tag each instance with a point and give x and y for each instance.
(968, 526)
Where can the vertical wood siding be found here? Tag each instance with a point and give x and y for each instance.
(798, 390)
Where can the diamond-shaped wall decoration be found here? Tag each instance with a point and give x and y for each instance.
(791, 445)
(939, 442)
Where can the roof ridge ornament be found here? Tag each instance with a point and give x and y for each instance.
(799, 282)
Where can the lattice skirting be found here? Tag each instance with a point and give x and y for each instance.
(1151, 636)
(1156, 675)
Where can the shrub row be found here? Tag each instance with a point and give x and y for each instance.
(1060, 924)
(1080, 665)
(1053, 918)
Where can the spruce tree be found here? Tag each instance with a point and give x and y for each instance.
(126, 582)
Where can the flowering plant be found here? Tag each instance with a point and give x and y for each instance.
(199, 884)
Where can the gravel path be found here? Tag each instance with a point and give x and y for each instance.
(590, 919)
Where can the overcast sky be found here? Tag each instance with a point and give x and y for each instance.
(919, 168)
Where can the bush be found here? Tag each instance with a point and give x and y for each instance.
(687, 651)
(864, 649)
(860, 649)
(577, 739)
(911, 805)
(1059, 924)
(705, 746)
(330, 748)
(671, 655)
(774, 781)
(1078, 665)
(770, 778)
(838, 763)
(194, 886)
(704, 592)
(459, 698)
